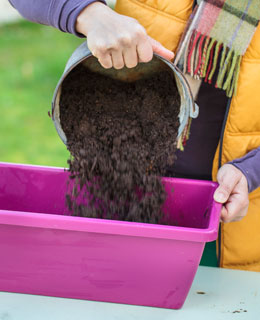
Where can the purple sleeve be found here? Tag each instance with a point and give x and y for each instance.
(250, 166)
(61, 14)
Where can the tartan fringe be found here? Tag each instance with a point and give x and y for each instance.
(205, 58)
(184, 136)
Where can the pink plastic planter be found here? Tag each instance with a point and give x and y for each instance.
(46, 252)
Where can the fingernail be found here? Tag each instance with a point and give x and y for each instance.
(220, 197)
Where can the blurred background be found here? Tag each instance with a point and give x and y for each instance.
(32, 59)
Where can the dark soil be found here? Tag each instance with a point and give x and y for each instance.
(121, 137)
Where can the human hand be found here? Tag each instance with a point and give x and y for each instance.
(232, 192)
(117, 40)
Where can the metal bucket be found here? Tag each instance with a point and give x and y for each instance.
(82, 55)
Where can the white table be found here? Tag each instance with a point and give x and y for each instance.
(216, 294)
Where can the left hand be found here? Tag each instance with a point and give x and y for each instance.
(232, 192)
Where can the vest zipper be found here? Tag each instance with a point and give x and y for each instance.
(219, 165)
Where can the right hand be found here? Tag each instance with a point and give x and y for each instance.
(117, 40)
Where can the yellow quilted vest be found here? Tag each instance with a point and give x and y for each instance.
(165, 20)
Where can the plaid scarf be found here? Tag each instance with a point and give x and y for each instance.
(216, 37)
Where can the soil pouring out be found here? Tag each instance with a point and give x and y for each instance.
(121, 137)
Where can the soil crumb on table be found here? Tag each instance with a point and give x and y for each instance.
(239, 311)
(121, 137)
(201, 292)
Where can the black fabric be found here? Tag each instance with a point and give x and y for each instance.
(195, 162)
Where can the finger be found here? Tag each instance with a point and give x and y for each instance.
(105, 60)
(227, 180)
(236, 208)
(130, 57)
(160, 49)
(226, 217)
(144, 51)
(223, 214)
(117, 59)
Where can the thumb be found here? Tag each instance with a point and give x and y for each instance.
(160, 49)
(221, 194)
(227, 180)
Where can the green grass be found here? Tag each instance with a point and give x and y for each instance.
(32, 59)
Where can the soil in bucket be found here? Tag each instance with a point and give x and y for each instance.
(121, 137)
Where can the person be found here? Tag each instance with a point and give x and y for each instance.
(225, 138)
